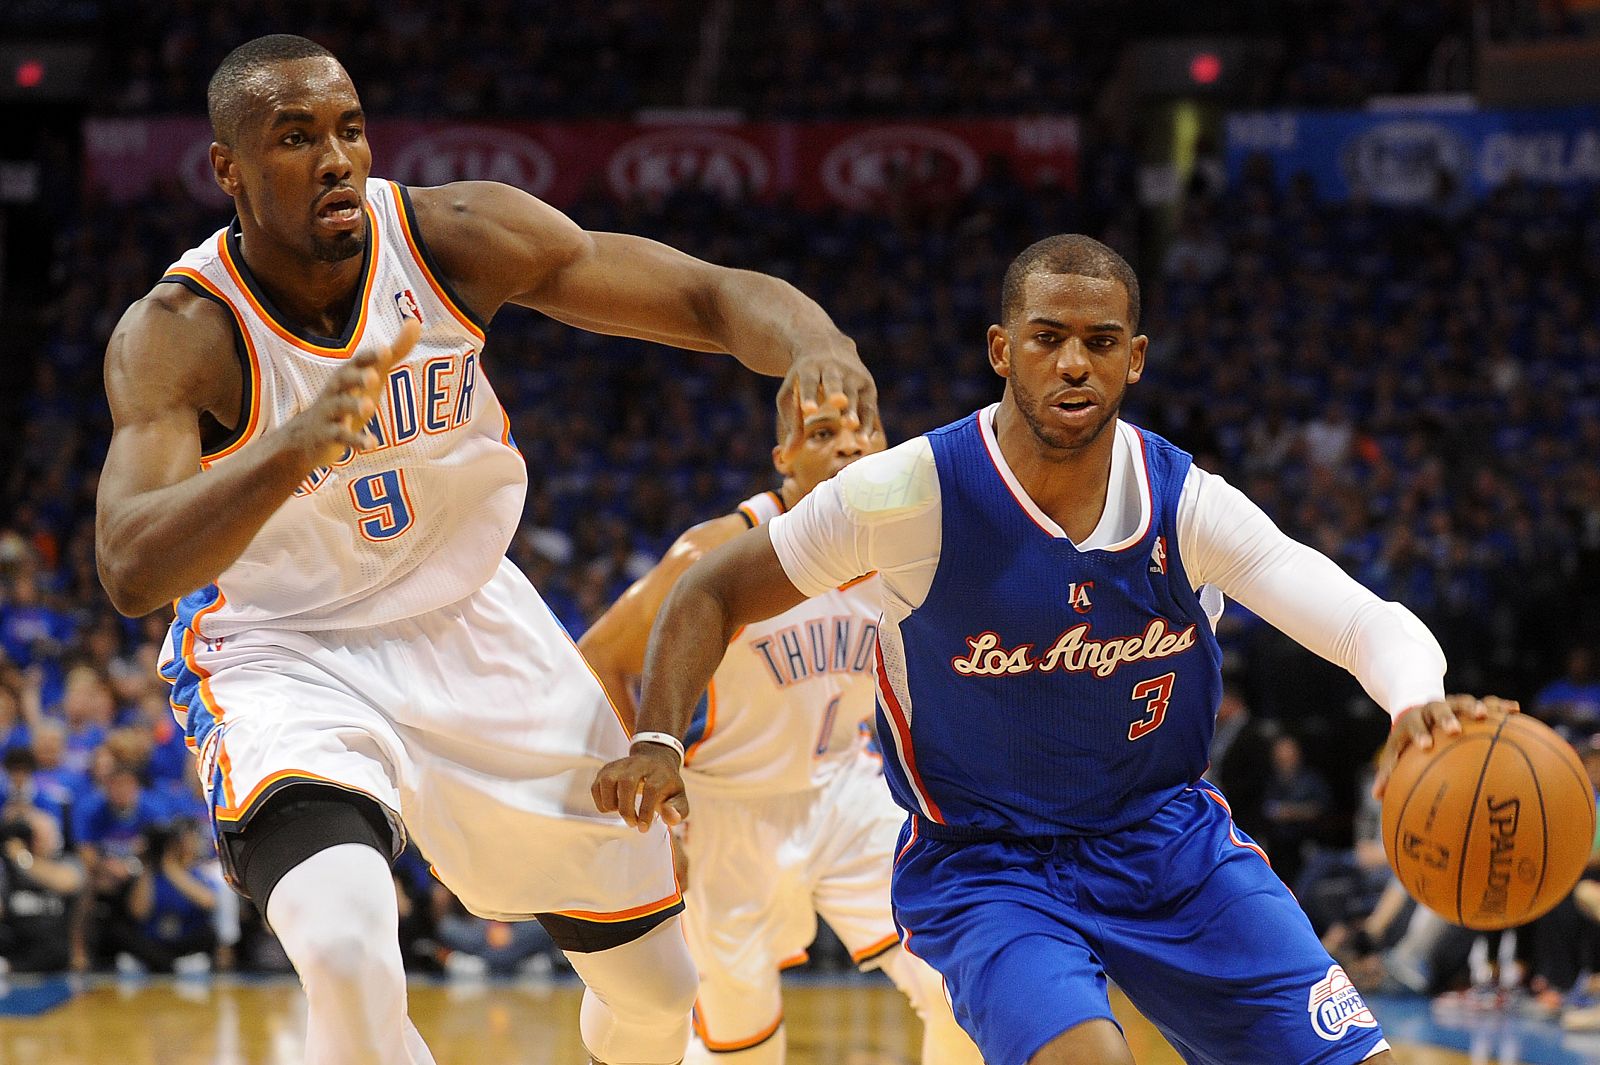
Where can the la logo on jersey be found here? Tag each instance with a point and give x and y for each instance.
(1336, 1006)
(1078, 596)
(1158, 556)
(407, 303)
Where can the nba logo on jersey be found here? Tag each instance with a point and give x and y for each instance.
(1158, 556)
(1078, 596)
(408, 305)
(1336, 1006)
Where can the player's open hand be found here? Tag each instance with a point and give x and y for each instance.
(1420, 724)
(835, 377)
(338, 418)
(642, 785)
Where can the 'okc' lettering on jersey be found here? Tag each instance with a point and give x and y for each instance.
(433, 398)
(819, 647)
(1073, 652)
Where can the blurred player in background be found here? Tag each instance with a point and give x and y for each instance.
(1048, 679)
(791, 815)
(308, 457)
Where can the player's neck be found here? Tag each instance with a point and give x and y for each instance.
(791, 493)
(1070, 486)
(315, 296)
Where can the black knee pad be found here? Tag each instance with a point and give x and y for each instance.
(292, 826)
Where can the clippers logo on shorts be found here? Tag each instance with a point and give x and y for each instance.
(1336, 1006)
(1078, 596)
(408, 305)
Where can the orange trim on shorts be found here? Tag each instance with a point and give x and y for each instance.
(238, 812)
(737, 1044)
(847, 585)
(793, 960)
(624, 915)
(859, 956)
(416, 255)
(363, 314)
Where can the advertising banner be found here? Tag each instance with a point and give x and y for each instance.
(847, 164)
(1396, 157)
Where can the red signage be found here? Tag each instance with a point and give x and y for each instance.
(848, 164)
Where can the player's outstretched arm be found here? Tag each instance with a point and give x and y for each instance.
(739, 583)
(501, 245)
(615, 644)
(161, 531)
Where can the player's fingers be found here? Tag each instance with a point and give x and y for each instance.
(1380, 783)
(675, 810)
(603, 791)
(649, 795)
(393, 353)
(1502, 706)
(797, 427)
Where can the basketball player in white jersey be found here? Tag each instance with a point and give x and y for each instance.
(308, 457)
(791, 814)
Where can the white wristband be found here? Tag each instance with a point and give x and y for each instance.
(663, 738)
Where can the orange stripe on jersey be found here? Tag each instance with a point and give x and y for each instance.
(363, 312)
(254, 417)
(624, 915)
(711, 722)
(416, 256)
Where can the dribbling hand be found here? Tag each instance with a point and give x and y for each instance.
(1420, 724)
(338, 418)
(642, 785)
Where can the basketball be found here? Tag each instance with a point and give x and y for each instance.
(1491, 828)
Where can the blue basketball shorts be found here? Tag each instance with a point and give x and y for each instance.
(1182, 912)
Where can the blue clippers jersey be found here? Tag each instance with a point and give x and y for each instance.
(1040, 689)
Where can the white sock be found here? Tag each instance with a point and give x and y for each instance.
(336, 916)
(943, 1040)
(637, 998)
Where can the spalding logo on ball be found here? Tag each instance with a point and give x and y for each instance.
(1491, 828)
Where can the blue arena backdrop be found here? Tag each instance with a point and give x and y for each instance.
(1395, 157)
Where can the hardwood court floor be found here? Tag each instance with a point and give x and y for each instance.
(224, 1022)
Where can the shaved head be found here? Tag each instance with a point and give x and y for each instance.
(1069, 253)
(237, 82)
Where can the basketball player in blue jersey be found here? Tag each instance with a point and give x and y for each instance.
(308, 457)
(1047, 683)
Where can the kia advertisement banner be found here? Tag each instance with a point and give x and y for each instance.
(848, 164)
(1395, 157)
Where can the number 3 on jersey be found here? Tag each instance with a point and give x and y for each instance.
(382, 502)
(1157, 693)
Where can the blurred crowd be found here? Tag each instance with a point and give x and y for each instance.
(837, 58)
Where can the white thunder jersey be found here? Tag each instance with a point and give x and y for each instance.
(421, 520)
(793, 700)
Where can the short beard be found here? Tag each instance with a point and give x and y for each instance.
(338, 249)
(1053, 439)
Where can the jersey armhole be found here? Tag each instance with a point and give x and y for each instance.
(249, 385)
(425, 259)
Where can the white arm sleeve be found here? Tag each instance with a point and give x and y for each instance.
(880, 513)
(1227, 541)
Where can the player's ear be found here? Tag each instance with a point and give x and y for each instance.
(780, 460)
(1000, 350)
(224, 170)
(1137, 348)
